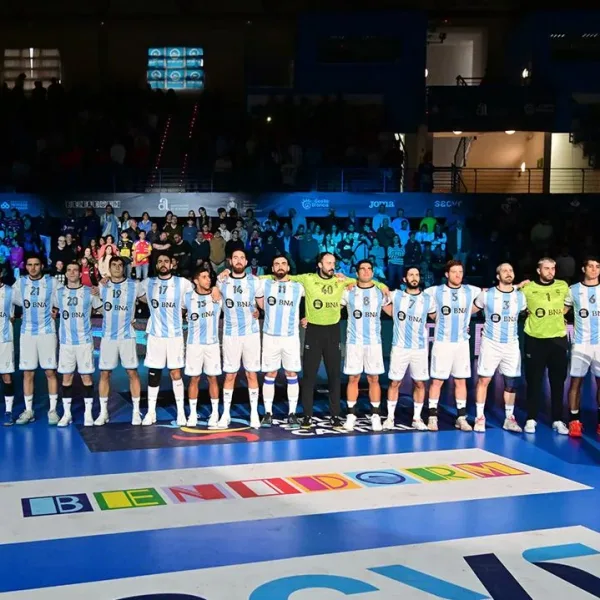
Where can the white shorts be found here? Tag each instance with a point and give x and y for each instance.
(584, 356)
(202, 359)
(76, 358)
(7, 358)
(506, 358)
(364, 359)
(450, 358)
(37, 351)
(279, 351)
(401, 359)
(164, 352)
(241, 350)
(113, 351)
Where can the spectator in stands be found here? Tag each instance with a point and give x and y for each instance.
(345, 249)
(225, 233)
(104, 244)
(424, 237)
(163, 245)
(377, 254)
(90, 227)
(17, 257)
(254, 268)
(308, 250)
(400, 223)
(142, 250)
(385, 234)
(427, 278)
(234, 243)
(125, 247)
(336, 235)
(132, 231)
(109, 224)
(145, 224)
(124, 221)
(217, 251)
(88, 273)
(182, 252)
(154, 236)
(207, 233)
(424, 174)
(71, 247)
(200, 249)
(242, 231)
(327, 245)
(379, 217)
(439, 238)
(190, 230)
(395, 255)
(203, 219)
(59, 272)
(296, 220)
(173, 227)
(412, 250)
(94, 249)
(69, 224)
(429, 221)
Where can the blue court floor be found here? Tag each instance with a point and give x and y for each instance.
(179, 514)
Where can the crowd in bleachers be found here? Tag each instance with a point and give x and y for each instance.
(390, 240)
(55, 139)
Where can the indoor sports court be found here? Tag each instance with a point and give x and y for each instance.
(162, 512)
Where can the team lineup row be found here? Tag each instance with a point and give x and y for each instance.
(174, 302)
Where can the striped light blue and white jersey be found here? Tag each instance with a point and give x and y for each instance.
(282, 307)
(203, 315)
(118, 304)
(501, 310)
(453, 311)
(75, 307)
(36, 296)
(410, 313)
(7, 311)
(239, 304)
(364, 315)
(166, 302)
(584, 300)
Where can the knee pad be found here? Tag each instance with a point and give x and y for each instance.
(154, 377)
(510, 384)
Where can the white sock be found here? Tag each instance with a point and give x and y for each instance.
(214, 402)
(253, 393)
(193, 405)
(29, 403)
(53, 401)
(104, 406)
(293, 393)
(417, 411)
(391, 406)
(88, 405)
(134, 401)
(433, 403)
(461, 404)
(268, 394)
(9, 403)
(478, 407)
(227, 399)
(509, 410)
(67, 405)
(179, 393)
(152, 398)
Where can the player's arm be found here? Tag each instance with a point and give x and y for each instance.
(478, 303)
(97, 305)
(142, 291)
(17, 300)
(260, 302)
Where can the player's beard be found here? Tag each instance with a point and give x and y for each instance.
(327, 274)
(164, 270)
(413, 285)
(237, 270)
(279, 275)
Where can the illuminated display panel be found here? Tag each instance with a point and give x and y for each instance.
(176, 68)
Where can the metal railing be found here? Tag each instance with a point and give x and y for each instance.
(451, 180)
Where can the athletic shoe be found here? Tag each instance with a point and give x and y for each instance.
(192, 419)
(65, 421)
(389, 423)
(8, 419)
(102, 419)
(267, 421)
(307, 423)
(376, 423)
(530, 426)
(462, 424)
(575, 429)
(510, 424)
(336, 424)
(432, 424)
(479, 426)
(254, 420)
(181, 420)
(418, 424)
(224, 421)
(136, 418)
(293, 421)
(88, 420)
(149, 419)
(27, 416)
(560, 428)
(350, 422)
(213, 420)
(53, 417)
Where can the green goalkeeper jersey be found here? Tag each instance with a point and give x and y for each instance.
(545, 307)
